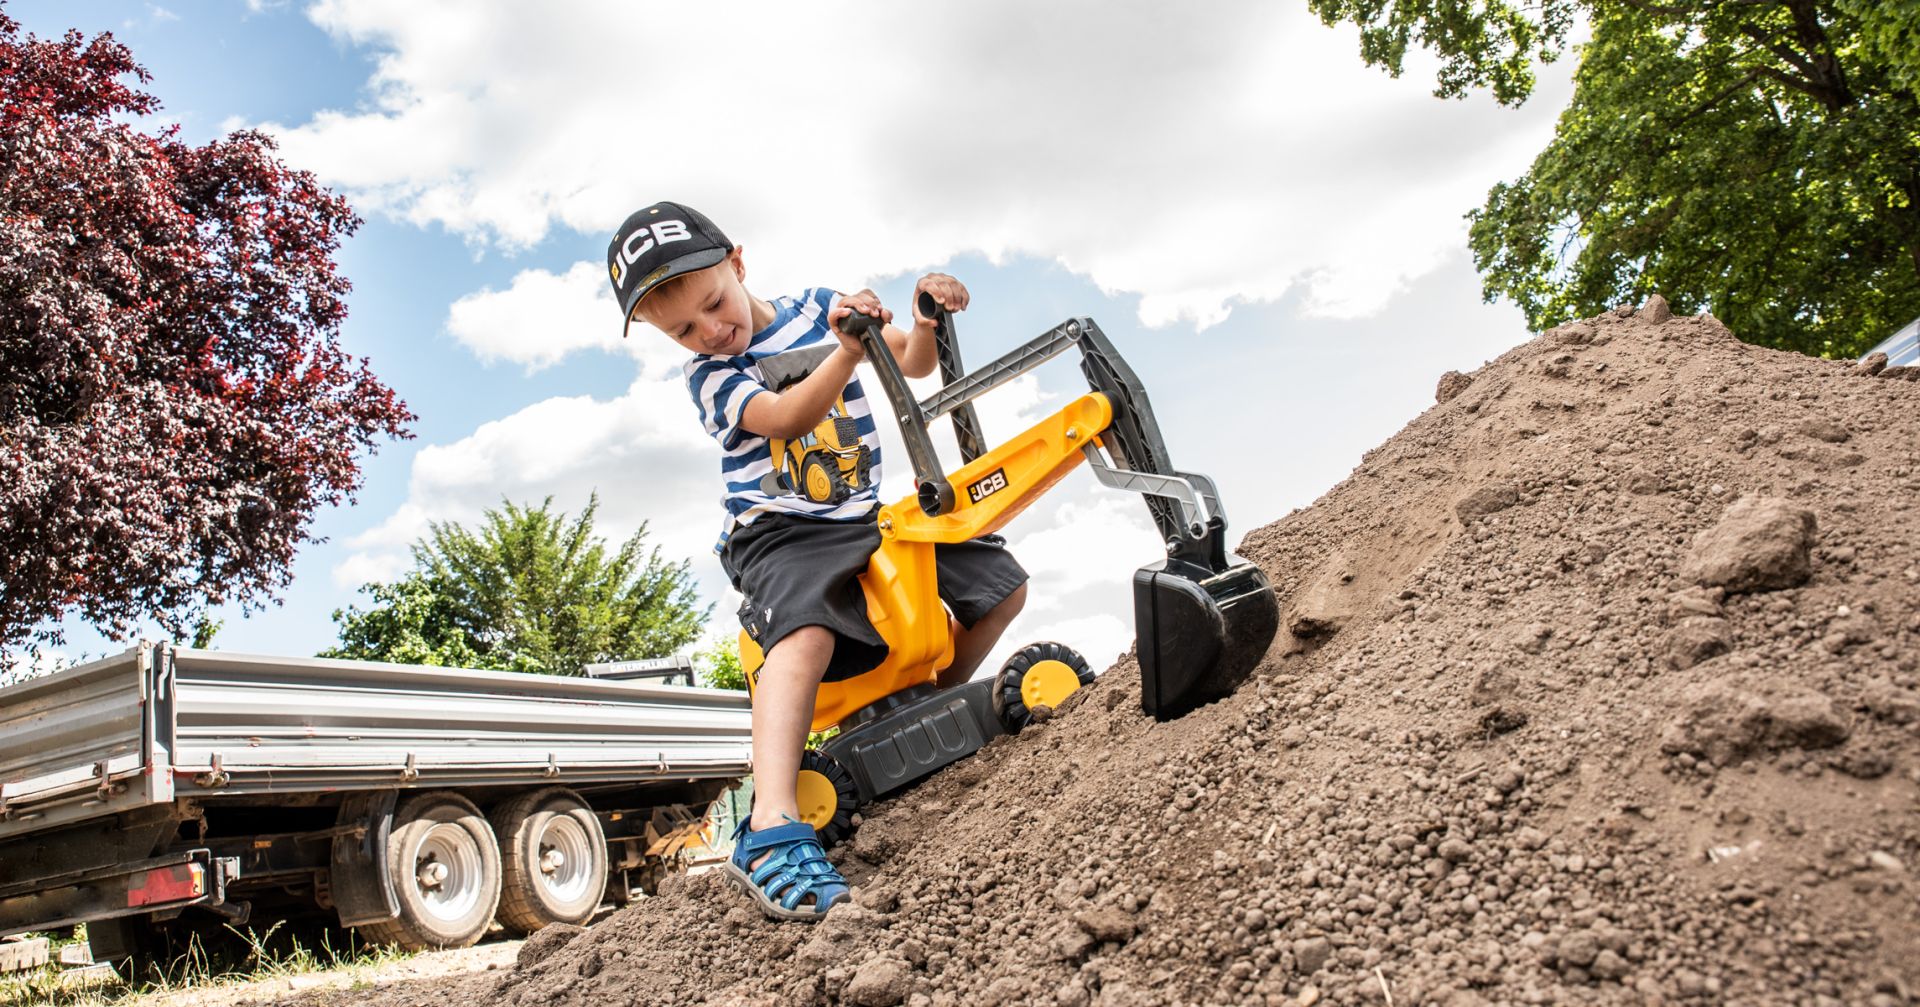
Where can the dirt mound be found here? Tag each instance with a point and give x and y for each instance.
(1598, 686)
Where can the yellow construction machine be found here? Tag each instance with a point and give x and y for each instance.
(1203, 618)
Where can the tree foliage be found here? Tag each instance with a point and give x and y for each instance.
(409, 621)
(719, 666)
(1480, 43)
(530, 591)
(174, 404)
(1759, 159)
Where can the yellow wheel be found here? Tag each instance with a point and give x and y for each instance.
(827, 796)
(1047, 683)
(818, 801)
(817, 478)
(1039, 674)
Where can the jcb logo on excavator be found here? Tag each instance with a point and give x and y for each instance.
(986, 486)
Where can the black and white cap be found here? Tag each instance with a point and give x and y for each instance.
(655, 245)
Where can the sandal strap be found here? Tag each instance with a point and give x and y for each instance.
(779, 835)
(796, 865)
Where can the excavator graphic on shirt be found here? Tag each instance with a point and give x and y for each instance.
(829, 463)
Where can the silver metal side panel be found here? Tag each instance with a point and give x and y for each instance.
(131, 729)
(257, 725)
(91, 740)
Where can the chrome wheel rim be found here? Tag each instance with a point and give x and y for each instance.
(447, 872)
(565, 858)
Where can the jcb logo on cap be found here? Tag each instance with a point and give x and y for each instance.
(642, 240)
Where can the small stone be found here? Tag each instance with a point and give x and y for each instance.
(1656, 309)
(1643, 483)
(1106, 924)
(880, 982)
(1455, 851)
(1308, 996)
(1489, 499)
(1608, 965)
(1529, 838)
(1872, 364)
(1451, 384)
(1759, 544)
(1825, 430)
(1579, 947)
(1074, 944)
(1885, 861)
(1695, 639)
(1311, 954)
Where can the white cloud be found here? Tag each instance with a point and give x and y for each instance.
(1200, 155)
(541, 317)
(1088, 544)
(639, 451)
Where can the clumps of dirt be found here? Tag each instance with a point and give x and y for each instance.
(1759, 544)
(544, 942)
(1600, 687)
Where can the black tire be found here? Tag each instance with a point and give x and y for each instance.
(863, 470)
(553, 860)
(1009, 704)
(832, 806)
(447, 908)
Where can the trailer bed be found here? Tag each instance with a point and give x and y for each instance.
(158, 721)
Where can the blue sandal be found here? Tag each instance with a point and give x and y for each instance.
(796, 869)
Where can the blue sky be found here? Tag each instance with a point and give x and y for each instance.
(1270, 231)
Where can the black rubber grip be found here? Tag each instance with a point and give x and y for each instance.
(855, 322)
(929, 308)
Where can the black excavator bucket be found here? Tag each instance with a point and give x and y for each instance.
(1203, 617)
(1200, 633)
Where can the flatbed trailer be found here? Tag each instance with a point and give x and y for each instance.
(171, 787)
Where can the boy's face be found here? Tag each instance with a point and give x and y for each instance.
(707, 311)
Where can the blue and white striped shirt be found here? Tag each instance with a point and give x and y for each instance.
(756, 481)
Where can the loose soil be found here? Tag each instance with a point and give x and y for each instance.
(1597, 685)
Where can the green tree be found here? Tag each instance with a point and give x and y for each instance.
(1759, 159)
(410, 621)
(529, 590)
(719, 666)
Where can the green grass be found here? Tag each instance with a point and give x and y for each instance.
(236, 957)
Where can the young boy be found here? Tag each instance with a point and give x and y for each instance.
(764, 373)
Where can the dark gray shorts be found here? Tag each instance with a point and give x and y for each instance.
(797, 571)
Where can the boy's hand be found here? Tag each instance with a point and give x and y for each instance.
(867, 303)
(950, 293)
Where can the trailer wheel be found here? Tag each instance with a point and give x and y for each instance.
(827, 796)
(553, 860)
(1039, 674)
(444, 866)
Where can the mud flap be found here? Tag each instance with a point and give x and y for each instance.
(1200, 634)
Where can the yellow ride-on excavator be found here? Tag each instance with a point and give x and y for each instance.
(1203, 618)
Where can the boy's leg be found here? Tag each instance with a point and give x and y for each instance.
(783, 701)
(970, 646)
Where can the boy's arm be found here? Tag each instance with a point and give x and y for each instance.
(914, 349)
(802, 406)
